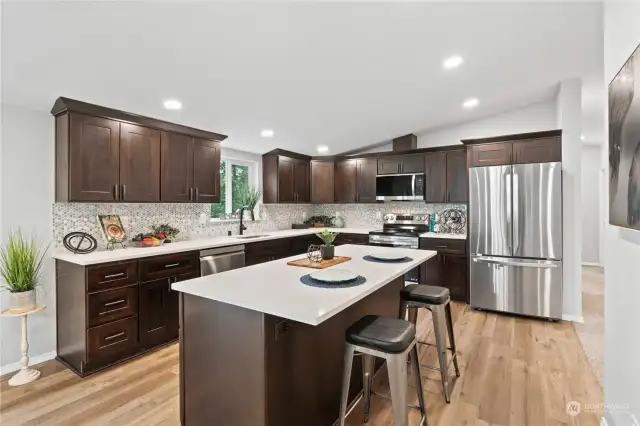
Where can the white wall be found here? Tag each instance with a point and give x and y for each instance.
(27, 191)
(622, 247)
(533, 118)
(590, 206)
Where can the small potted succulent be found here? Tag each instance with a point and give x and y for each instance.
(327, 249)
(21, 267)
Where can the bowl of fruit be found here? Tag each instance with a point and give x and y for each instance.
(148, 240)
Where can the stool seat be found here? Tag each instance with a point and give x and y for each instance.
(422, 293)
(390, 335)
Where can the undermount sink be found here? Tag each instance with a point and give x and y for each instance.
(248, 237)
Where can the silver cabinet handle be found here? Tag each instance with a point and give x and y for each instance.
(124, 192)
(116, 192)
(197, 194)
(114, 336)
(172, 265)
(442, 246)
(121, 274)
(117, 302)
(190, 194)
(112, 310)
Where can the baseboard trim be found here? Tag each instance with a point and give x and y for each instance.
(573, 318)
(10, 368)
(592, 264)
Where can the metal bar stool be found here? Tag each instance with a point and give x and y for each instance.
(437, 300)
(392, 339)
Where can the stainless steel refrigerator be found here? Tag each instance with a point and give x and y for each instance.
(515, 236)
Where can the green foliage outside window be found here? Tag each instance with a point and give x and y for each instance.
(220, 208)
(239, 187)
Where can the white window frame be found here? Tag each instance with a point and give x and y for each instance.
(253, 178)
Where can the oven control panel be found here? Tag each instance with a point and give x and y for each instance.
(406, 219)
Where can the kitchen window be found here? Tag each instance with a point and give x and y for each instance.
(236, 176)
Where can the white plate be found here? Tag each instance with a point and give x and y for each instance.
(334, 275)
(388, 256)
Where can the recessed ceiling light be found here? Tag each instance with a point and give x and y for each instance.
(266, 133)
(470, 103)
(453, 62)
(172, 104)
(323, 148)
(582, 138)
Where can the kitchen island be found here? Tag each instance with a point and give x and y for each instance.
(258, 347)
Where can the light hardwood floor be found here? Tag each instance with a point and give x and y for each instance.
(515, 371)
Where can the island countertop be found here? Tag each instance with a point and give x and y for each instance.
(274, 287)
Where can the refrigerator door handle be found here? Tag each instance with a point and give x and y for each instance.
(511, 263)
(516, 214)
(509, 210)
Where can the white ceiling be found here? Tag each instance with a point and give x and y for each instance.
(344, 75)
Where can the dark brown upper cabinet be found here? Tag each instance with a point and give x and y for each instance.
(355, 180)
(493, 154)
(543, 150)
(322, 190)
(285, 179)
(190, 169)
(139, 163)
(103, 154)
(399, 164)
(87, 158)
(446, 177)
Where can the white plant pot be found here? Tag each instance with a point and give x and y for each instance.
(23, 301)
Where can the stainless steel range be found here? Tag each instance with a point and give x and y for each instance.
(401, 230)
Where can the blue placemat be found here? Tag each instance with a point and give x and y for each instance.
(307, 280)
(373, 259)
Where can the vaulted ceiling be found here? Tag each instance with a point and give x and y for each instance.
(343, 75)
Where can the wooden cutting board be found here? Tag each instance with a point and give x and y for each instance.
(305, 262)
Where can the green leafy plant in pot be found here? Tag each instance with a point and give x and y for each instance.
(21, 261)
(250, 198)
(327, 248)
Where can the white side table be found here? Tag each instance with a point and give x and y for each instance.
(26, 374)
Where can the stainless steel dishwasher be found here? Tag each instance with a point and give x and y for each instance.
(214, 261)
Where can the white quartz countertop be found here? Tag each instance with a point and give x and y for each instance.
(274, 287)
(104, 256)
(445, 236)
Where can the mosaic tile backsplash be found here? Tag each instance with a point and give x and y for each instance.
(193, 219)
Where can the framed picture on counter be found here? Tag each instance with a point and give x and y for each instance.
(112, 228)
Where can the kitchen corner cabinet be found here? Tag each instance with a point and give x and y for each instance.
(446, 176)
(285, 179)
(322, 182)
(355, 180)
(106, 155)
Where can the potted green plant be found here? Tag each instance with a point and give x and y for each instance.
(327, 249)
(250, 198)
(21, 267)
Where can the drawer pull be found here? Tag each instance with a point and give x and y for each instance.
(113, 336)
(172, 265)
(112, 310)
(121, 274)
(442, 246)
(117, 302)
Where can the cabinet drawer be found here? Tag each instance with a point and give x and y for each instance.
(154, 268)
(104, 277)
(112, 305)
(108, 340)
(444, 245)
(361, 239)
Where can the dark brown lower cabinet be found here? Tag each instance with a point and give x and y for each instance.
(450, 271)
(110, 312)
(360, 239)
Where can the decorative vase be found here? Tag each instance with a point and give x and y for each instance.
(327, 252)
(23, 301)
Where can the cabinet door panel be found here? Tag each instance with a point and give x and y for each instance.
(154, 299)
(457, 177)
(176, 175)
(389, 165)
(545, 150)
(322, 182)
(301, 180)
(436, 177)
(139, 163)
(94, 156)
(367, 171)
(412, 163)
(455, 276)
(345, 181)
(286, 179)
(493, 154)
(206, 171)
(431, 272)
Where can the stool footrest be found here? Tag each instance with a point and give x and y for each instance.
(388, 398)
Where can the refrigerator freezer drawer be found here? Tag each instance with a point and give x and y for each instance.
(521, 286)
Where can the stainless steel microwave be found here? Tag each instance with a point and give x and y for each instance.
(400, 187)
